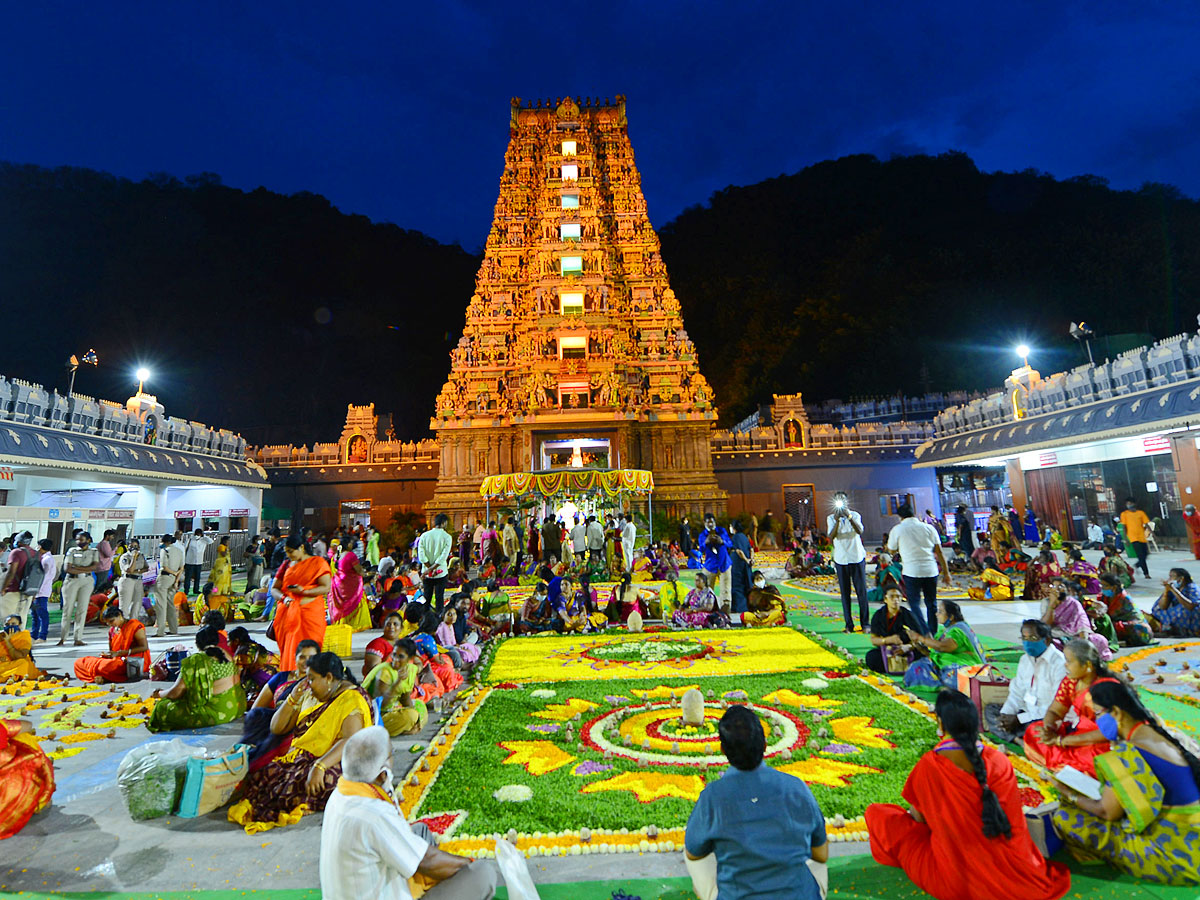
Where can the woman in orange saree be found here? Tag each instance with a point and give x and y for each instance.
(965, 837)
(300, 612)
(126, 640)
(1052, 742)
(26, 776)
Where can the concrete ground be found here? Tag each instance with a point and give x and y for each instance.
(86, 841)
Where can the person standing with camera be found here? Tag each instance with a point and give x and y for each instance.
(844, 527)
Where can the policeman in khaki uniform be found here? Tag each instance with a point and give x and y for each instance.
(170, 565)
(130, 589)
(79, 581)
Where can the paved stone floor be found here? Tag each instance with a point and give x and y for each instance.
(86, 841)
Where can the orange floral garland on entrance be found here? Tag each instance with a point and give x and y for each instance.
(575, 481)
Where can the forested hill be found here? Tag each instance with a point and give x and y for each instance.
(255, 311)
(858, 276)
(268, 313)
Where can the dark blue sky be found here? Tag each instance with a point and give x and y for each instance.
(402, 115)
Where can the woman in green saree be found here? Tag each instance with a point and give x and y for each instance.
(207, 693)
(1147, 820)
(955, 645)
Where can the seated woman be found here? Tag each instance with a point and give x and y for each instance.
(625, 599)
(26, 776)
(418, 619)
(126, 640)
(661, 562)
(300, 781)
(395, 682)
(379, 650)
(700, 609)
(889, 628)
(256, 725)
(887, 576)
(210, 601)
(1145, 822)
(954, 646)
(216, 619)
(437, 663)
(256, 664)
(490, 611)
(1113, 564)
(1069, 620)
(467, 651)
(16, 652)
(670, 598)
(1131, 628)
(1054, 743)
(253, 605)
(1040, 573)
(965, 837)
(537, 614)
(1176, 613)
(206, 693)
(570, 611)
(764, 605)
(1083, 573)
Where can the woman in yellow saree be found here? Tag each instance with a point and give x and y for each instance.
(221, 575)
(16, 652)
(764, 605)
(320, 717)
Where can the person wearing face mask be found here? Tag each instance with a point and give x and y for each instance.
(1053, 742)
(1146, 819)
(1032, 690)
(1131, 628)
(1176, 613)
(369, 850)
(130, 588)
(80, 564)
(16, 651)
(765, 606)
(964, 834)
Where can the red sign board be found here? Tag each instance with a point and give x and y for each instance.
(1159, 444)
(239, 512)
(1047, 459)
(210, 513)
(185, 514)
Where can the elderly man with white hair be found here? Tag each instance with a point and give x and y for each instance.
(369, 850)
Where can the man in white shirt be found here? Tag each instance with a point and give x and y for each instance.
(579, 539)
(194, 546)
(1095, 537)
(921, 560)
(130, 588)
(844, 527)
(595, 539)
(368, 850)
(628, 538)
(433, 554)
(1030, 693)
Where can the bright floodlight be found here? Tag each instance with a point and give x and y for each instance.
(1023, 350)
(142, 374)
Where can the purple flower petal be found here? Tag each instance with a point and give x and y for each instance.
(841, 748)
(544, 729)
(587, 767)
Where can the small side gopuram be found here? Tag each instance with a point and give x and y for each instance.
(574, 351)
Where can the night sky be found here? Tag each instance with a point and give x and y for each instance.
(402, 116)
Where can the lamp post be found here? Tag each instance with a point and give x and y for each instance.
(1083, 333)
(142, 375)
(73, 366)
(1023, 352)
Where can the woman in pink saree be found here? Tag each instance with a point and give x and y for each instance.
(346, 603)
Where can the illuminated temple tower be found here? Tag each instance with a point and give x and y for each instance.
(574, 351)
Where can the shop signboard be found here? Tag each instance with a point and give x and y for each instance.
(185, 514)
(239, 512)
(210, 513)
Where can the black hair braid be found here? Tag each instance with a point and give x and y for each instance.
(1125, 697)
(960, 720)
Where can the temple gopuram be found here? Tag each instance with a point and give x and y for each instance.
(574, 352)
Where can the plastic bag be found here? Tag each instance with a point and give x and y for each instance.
(515, 871)
(151, 776)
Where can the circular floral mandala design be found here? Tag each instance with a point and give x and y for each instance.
(650, 650)
(652, 734)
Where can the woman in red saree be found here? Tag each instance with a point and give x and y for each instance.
(300, 614)
(1052, 742)
(26, 776)
(1040, 573)
(126, 639)
(965, 837)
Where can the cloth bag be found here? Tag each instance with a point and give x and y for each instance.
(895, 660)
(150, 777)
(983, 684)
(210, 782)
(1045, 838)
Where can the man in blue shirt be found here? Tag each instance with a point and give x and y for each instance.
(762, 826)
(715, 544)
